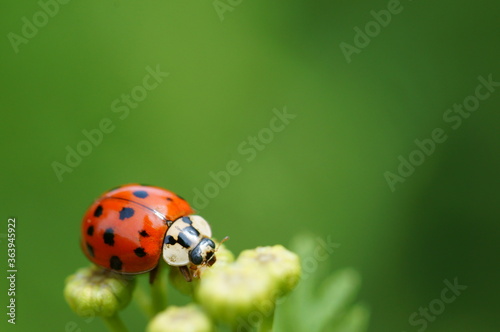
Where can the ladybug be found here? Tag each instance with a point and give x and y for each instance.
(128, 228)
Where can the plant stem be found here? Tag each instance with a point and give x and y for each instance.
(158, 292)
(143, 301)
(267, 323)
(115, 324)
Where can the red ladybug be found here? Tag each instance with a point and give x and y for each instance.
(128, 228)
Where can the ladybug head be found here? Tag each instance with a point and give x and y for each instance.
(203, 253)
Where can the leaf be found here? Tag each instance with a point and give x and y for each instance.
(326, 307)
(355, 320)
(337, 292)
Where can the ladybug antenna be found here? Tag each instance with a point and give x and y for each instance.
(221, 242)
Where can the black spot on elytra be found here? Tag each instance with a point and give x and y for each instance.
(169, 199)
(183, 240)
(140, 252)
(98, 211)
(187, 220)
(140, 194)
(143, 233)
(169, 239)
(109, 237)
(115, 263)
(90, 250)
(90, 231)
(126, 212)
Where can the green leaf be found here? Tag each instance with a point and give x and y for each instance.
(319, 306)
(336, 293)
(355, 320)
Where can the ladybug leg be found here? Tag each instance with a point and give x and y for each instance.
(197, 269)
(186, 273)
(152, 274)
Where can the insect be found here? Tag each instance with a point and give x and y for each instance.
(129, 228)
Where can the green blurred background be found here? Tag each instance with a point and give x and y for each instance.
(323, 174)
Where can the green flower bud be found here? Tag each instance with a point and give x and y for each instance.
(179, 282)
(223, 257)
(282, 265)
(234, 292)
(95, 291)
(181, 319)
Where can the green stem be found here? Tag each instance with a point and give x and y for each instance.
(115, 324)
(158, 292)
(143, 301)
(267, 323)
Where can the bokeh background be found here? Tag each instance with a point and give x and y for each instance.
(323, 174)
